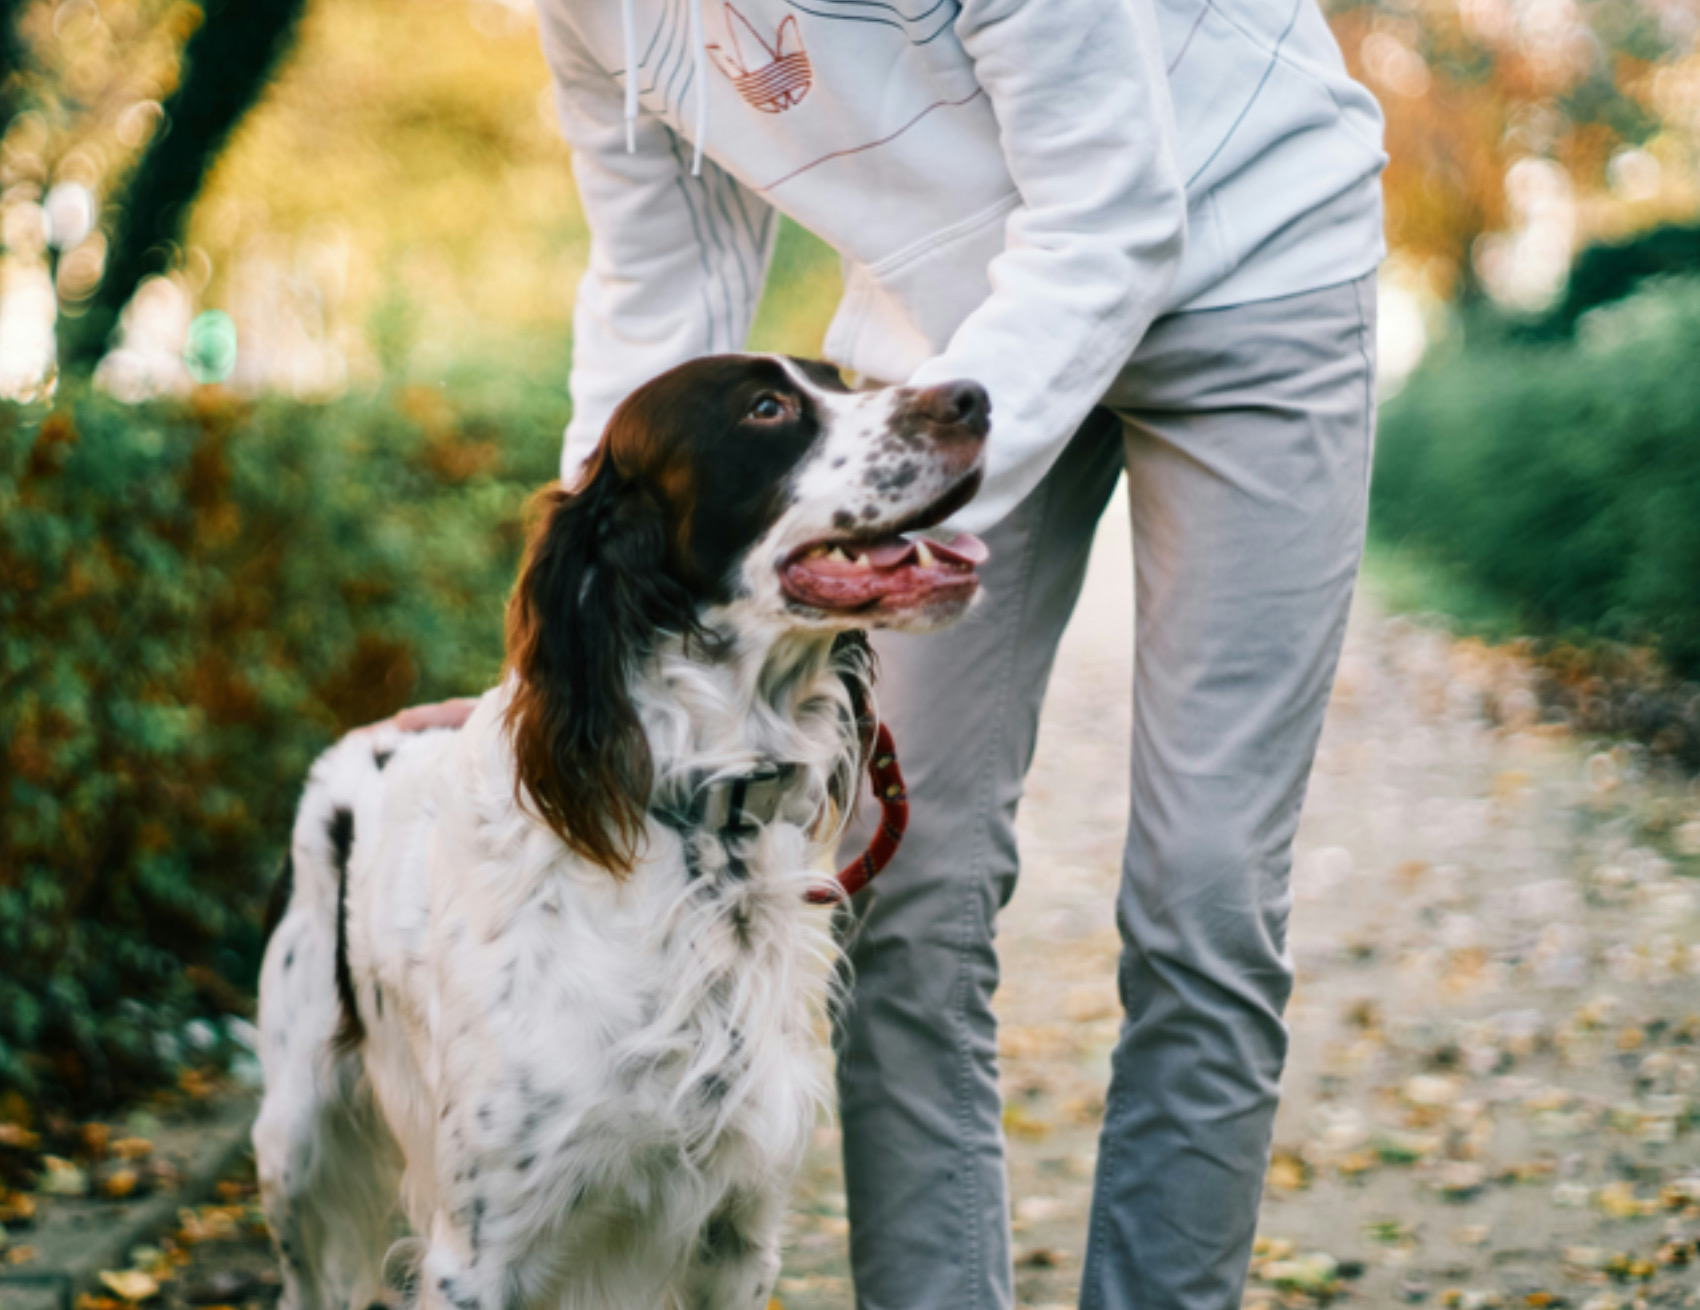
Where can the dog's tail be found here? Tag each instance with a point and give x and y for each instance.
(326, 829)
(328, 1181)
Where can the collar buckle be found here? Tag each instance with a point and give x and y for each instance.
(736, 806)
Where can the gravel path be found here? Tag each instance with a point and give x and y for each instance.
(1495, 1073)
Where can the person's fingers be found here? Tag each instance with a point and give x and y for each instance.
(443, 714)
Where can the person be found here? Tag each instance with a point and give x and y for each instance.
(1151, 231)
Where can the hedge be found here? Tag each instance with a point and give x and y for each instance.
(1563, 479)
(195, 598)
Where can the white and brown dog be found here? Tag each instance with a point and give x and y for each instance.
(545, 988)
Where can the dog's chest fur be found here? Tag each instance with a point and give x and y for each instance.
(621, 1061)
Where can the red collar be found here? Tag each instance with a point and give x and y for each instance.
(894, 818)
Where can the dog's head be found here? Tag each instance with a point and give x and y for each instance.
(734, 495)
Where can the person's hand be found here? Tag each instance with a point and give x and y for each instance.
(442, 714)
(417, 718)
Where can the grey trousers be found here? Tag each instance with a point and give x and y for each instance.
(1246, 433)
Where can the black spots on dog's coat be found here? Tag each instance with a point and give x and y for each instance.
(351, 1031)
(910, 426)
(888, 481)
(716, 1087)
(475, 1227)
(381, 758)
(339, 831)
(722, 1240)
(277, 903)
(456, 1295)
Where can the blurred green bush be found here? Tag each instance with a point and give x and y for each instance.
(195, 598)
(1563, 480)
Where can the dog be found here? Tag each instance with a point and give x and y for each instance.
(545, 988)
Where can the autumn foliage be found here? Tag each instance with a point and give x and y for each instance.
(195, 598)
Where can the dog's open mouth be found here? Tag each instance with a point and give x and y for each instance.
(889, 567)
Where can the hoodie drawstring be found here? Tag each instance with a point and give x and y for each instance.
(628, 32)
(701, 43)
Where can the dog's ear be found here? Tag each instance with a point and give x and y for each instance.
(595, 594)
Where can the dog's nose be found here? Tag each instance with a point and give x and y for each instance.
(956, 405)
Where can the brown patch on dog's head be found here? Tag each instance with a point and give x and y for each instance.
(689, 475)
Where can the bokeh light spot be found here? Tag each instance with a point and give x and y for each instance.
(211, 350)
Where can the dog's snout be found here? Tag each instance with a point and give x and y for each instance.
(963, 405)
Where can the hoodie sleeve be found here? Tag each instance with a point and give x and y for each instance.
(676, 263)
(1082, 103)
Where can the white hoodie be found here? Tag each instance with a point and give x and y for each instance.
(1017, 187)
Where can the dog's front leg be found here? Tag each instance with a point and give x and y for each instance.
(486, 1247)
(450, 1279)
(499, 1234)
(736, 1262)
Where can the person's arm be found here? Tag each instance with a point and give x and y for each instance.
(676, 262)
(1082, 102)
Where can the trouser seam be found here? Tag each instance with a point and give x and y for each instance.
(1091, 1282)
(1369, 381)
(971, 886)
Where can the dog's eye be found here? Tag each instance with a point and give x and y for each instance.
(769, 407)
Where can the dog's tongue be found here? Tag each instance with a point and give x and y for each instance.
(964, 548)
(888, 571)
(888, 554)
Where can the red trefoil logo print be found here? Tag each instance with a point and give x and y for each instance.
(771, 78)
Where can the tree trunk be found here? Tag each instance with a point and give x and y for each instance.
(226, 66)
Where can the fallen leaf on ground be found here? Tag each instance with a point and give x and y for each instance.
(1620, 1202)
(1405, 1148)
(1017, 1122)
(130, 1284)
(1037, 1209)
(95, 1138)
(1288, 1172)
(62, 1178)
(1460, 1180)
(132, 1148)
(117, 1184)
(1431, 1090)
(1315, 1274)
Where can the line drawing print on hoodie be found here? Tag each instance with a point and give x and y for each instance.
(771, 85)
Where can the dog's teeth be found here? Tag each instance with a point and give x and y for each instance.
(837, 556)
(923, 556)
(817, 552)
(860, 562)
